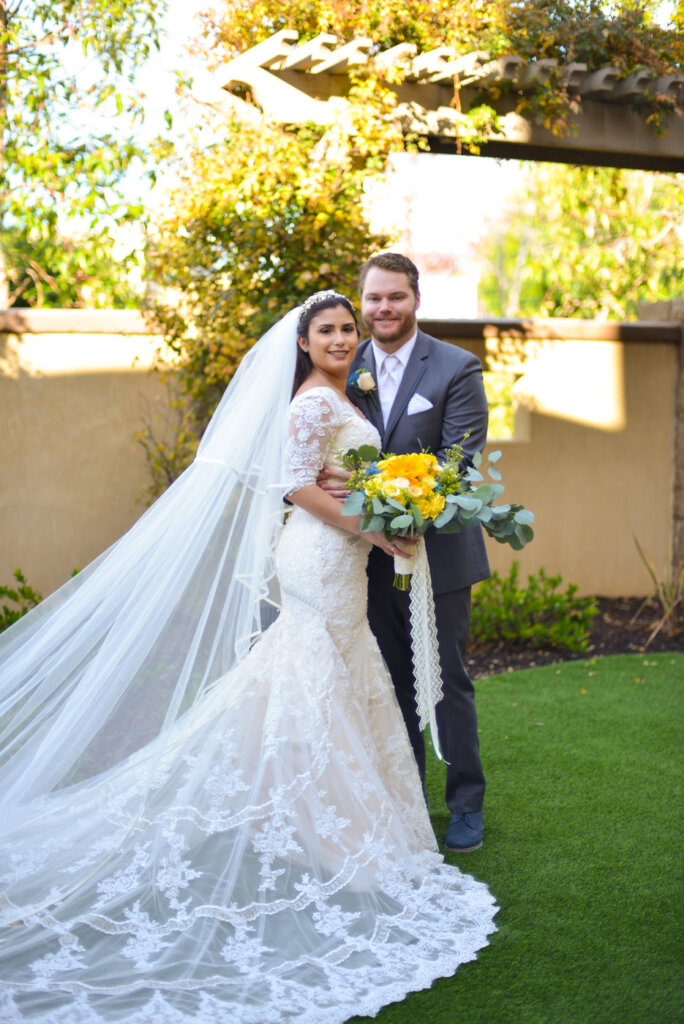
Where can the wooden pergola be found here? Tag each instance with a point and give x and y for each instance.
(308, 83)
(294, 84)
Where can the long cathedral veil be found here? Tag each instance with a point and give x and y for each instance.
(110, 661)
(196, 826)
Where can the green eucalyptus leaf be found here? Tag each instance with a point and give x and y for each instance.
(524, 516)
(451, 527)
(353, 505)
(484, 493)
(445, 516)
(401, 522)
(418, 517)
(467, 503)
(523, 534)
(494, 473)
(494, 456)
(477, 459)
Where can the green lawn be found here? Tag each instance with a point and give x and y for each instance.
(582, 839)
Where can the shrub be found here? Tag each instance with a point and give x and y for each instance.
(538, 615)
(22, 596)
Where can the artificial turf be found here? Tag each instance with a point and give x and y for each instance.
(581, 850)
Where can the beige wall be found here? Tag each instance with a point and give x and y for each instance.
(70, 472)
(593, 487)
(596, 465)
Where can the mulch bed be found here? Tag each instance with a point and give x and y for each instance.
(614, 631)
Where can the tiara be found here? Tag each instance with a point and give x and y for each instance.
(317, 297)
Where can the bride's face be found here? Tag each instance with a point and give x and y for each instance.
(332, 341)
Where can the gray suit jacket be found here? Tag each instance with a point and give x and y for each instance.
(451, 379)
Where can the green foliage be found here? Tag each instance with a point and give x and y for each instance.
(49, 269)
(255, 224)
(22, 597)
(624, 35)
(536, 615)
(68, 109)
(586, 242)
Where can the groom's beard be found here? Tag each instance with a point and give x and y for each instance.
(386, 330)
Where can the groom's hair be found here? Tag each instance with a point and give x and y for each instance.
(391, 261)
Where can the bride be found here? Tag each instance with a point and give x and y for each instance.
(209, 805)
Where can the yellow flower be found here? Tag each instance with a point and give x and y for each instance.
(431, 507)
(414, 464)
(392, 488)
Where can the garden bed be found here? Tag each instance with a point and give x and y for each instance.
(613, 632)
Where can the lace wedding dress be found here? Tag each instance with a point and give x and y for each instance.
(281, 866)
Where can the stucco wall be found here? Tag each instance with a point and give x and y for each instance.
(596, 465)
(594, 488)
(71, 475)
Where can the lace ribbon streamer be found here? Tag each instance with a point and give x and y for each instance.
(426, 667)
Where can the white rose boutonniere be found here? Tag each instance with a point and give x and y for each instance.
(362, 383)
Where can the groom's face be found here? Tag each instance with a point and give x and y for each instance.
(388, 307)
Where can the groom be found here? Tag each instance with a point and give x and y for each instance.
(430, 394)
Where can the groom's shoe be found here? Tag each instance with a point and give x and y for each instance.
(464, 832)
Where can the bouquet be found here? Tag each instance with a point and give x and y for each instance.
(403, 495)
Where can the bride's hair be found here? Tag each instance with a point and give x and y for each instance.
(309, 309)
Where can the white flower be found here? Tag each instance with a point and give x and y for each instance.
(365, 381)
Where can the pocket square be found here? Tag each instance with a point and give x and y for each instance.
(418, 404)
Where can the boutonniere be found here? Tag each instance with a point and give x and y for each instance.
(361, 382)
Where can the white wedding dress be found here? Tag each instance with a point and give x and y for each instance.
(300, 882)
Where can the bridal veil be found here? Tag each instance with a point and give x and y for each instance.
(114, 657)
(198, 827)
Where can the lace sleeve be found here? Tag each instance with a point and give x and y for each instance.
(313, 420)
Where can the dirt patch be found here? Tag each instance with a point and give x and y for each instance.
(615, 631)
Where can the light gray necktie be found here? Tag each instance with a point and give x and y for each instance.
(389, 383)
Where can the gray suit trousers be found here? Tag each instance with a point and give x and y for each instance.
(388, 614)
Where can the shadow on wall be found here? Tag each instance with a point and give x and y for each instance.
(592, 453)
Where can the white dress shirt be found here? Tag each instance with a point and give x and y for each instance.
(389, 376)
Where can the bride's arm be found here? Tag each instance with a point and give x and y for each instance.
(313, 418)
(318, 503)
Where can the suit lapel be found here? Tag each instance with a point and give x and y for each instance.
(365, 360)
(415, 369)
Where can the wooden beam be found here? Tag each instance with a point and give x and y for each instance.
(556, 329)
(295, 84)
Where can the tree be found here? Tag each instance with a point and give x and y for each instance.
(586, 242)
(267, 215)
(68, 111)
(53, 269)
(253, 225)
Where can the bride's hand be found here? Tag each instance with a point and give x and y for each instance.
(405, 546)
(334, 484)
